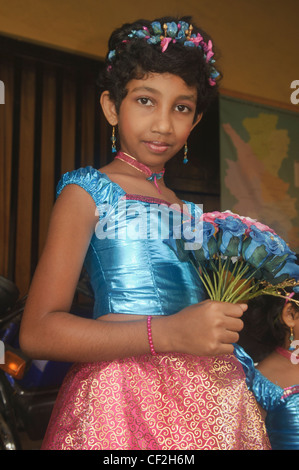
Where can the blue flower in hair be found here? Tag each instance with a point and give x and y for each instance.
(189, 44)
(111, 55)
(172, 29)
(157, 28)
(214, 73)
(154, 40)
(171, 33)
(182, 30)
(141, 33)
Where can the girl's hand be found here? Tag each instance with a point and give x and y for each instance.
(205, 329)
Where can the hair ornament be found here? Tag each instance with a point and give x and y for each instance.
(111, 55)
(289, 296)
(180, 32)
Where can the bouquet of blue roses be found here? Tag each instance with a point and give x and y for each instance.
(240, 258)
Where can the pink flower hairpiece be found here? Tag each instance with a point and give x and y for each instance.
(289, 297)
(180, 32)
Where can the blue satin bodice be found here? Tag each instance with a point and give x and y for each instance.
(281, 405)
(131, 269)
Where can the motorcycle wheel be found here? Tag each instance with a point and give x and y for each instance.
(7, 441)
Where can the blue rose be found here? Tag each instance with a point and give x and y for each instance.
(270, 252)
(256, 241)
(276, 245)
(288, 269)
(209, 243)
(207, 248)
(273, 244)
(232, 231)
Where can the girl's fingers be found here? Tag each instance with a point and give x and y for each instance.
(234, 324)
(229, 337)
(235, 310)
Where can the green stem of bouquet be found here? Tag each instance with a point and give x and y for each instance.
(234, 299)
(230, 290)
(222, 289)
(226, 270)
(221, 285)
(207, 283)
(218, 291)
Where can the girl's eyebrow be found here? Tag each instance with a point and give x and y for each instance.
(191, 97)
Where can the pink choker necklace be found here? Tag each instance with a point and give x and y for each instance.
(124, 157)
(284, 352)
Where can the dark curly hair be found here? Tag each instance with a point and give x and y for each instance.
(263, 328)
(135, 58)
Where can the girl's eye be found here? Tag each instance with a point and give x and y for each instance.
(145, 101)
(183, 108)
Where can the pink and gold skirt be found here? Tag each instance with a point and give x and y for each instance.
(163, 402)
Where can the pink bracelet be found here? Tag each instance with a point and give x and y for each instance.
(149, 334)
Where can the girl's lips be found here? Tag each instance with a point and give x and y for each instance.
(157, 147)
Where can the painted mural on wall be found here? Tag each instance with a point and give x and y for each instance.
(260, 165)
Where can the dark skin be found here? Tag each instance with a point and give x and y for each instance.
(159, 128)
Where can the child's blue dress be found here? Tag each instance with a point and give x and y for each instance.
(168, 401)
(281, 405)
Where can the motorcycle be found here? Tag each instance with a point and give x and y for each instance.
(28, 388)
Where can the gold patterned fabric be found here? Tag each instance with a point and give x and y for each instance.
(163, 402)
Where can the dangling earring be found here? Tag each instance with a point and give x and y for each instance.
(113, 140)
(291, 339)
(185, 154)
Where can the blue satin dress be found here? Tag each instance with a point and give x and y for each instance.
(167, 401)
(150, 277)
(281, 405)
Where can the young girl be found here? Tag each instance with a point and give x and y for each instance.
(155, 367)
(271, 337)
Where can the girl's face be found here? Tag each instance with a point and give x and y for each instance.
(156, 118)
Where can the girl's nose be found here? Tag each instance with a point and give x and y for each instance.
(162, 122)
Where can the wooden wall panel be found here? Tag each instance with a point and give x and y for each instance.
(68, 136)
(88, 124)
(47, 153)
(25, 177)
(6, 129)
(48, 125)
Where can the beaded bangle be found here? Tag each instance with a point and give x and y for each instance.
(149, 334)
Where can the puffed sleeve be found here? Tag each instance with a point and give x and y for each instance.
(97, 184)
(267, 394)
